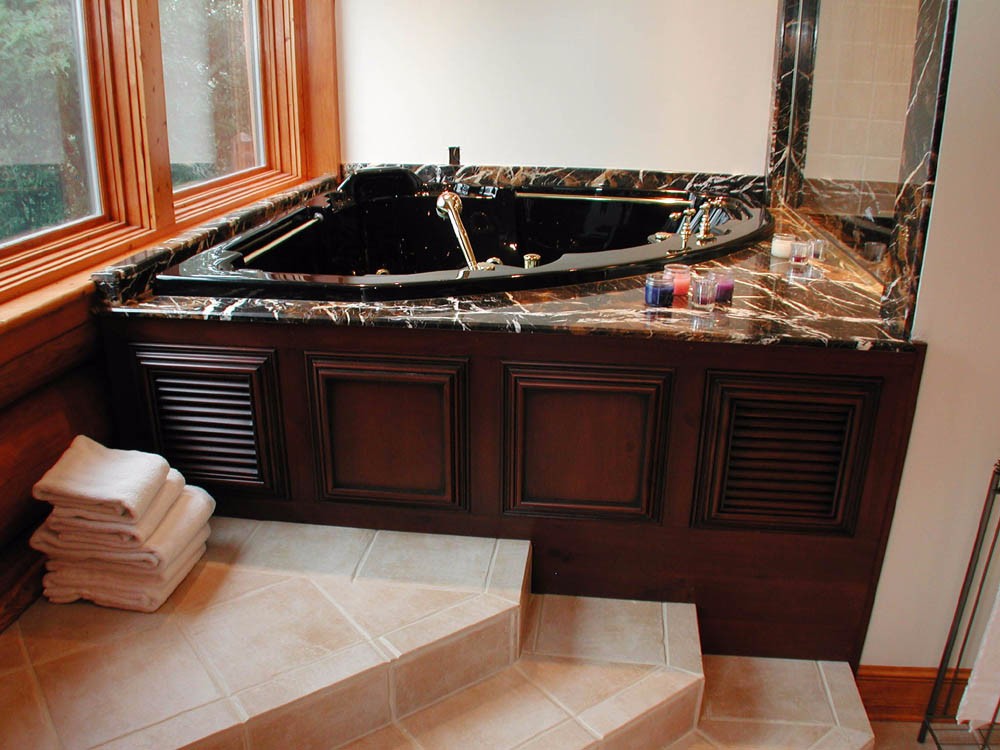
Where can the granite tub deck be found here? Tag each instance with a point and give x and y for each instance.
(832, 303)
(291, 635)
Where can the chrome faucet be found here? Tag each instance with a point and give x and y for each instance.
(449, 206)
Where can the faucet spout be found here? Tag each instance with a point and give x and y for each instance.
(449, 206)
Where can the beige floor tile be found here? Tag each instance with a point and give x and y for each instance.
(424, 677)
(23, 722)
(691, 741)
(53, 630)
(12, 655)
(758, 735)
(305, 548)
(839, 738)
(215, 726)
(897, 735)
(683, 639)
(847, 706)
(381, 606)
(511, 571)
(387, 738)
(739, 687)
(325, 719)
(113, 689)
(213, 583)
(228, 535)
(578, 684)
(499, 713)
(606, 629)
(430, 559)
(665, 696)
(256, 637)
(566, 736)
(470, 613)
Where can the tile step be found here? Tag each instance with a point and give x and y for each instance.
(294, 635)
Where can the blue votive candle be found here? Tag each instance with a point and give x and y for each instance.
(660, 289)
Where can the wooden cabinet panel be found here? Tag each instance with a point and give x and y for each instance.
(391, 430)
(584, 442)
(784, 452)
(215, 415)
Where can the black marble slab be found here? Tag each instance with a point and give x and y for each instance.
(830, 303)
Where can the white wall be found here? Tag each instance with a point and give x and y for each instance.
(678, 85)
(956, 435)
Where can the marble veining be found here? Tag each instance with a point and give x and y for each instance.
(832, 304)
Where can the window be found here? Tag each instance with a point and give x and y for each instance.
(48, 170)
(123, 122)
(211, 79)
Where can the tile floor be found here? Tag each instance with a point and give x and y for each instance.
(282, 625)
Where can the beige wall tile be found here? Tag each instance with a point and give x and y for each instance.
(117, 688)
(431, 559)
(432, 673)
(12, 654)
(305, 548)
(215, 726)
(683, 638)
(499, 713)
(578, 684)
(380, 606)
(23, 722)
(604, 629)
(738, 687)
(256, 637)
(228, 535)
(326, 719)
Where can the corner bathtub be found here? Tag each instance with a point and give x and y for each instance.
(379, 237)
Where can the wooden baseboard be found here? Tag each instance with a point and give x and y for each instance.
(902, 693)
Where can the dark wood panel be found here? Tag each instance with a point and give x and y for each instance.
(784, 452)
(215, 415)
(776, 592)
(391, 430)
(584, 442)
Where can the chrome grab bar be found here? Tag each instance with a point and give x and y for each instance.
(316, 219)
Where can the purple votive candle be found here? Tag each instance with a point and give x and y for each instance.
(724, 285)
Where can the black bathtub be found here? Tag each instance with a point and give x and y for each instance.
(379, 237)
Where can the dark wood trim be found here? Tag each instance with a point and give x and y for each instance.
(21, 571)
(902, 693)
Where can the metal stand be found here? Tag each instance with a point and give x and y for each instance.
(939, 719)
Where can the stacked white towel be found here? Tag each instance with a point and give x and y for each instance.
(125, 528)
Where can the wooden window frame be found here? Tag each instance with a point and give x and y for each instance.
(299, 80)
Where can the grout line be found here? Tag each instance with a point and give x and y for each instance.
(705, 737)
(666, 634)
(206, 663)
(552, 697)
(43, 702)
(775, 722)
(246, 542)
(491, 568)
(364, 556)
(820, 740)
(829, 693)
(344, 613)
(408, 735)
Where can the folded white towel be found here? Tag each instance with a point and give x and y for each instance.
(185, 518)
(108, 574)
(120, 483)
(76, 527)
(982, 693)
(139, 597)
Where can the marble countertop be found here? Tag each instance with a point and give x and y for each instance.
(832, 303)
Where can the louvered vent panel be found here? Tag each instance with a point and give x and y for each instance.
(783, 453)
(211, 413)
